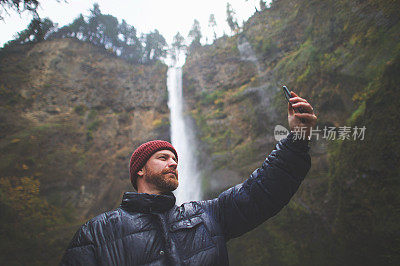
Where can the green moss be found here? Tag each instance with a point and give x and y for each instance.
(264, 46)
(43, 151)
(333, 53)
(94, 125)
(356, 114)
(209, 98)
(28, 220)
(92, 114)
(11, 97)
(362, 186)
(80, 109)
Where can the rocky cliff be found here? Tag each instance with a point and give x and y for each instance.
(231, 112)
(341, 56)
(71, 115)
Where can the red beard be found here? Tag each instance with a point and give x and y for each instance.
(165, 181)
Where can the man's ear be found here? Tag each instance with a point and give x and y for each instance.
(140, 173)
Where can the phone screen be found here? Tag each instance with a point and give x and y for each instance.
(287, 93)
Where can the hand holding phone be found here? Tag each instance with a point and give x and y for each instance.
(288, 96)
(302, 115)
(300, 112)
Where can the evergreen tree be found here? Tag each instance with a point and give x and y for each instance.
(177, 45)
(103, 31)
(195, 34)
(19, 6)
(107, 31)
(46, 26)
(93, 25)
(178, 41)
(78, 27)
(232, 22)
(263, 5)
(131, 47)
(36, 31)
(212, 24)
(154, 47)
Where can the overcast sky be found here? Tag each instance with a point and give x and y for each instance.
(168, 16)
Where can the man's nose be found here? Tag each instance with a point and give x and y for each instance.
(172, 163)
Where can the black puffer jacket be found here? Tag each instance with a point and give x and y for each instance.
(152, 230)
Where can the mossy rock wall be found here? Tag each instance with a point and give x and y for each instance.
(342, 57)
(71, 115)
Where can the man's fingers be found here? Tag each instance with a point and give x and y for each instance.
(305, 106)
(297, 99)
(306, 119)
(298, 102)
(294, 95)
(306, 116)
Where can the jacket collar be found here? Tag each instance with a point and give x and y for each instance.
(146, 203)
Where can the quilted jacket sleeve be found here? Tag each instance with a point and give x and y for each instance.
(268, 189)
(81, 249)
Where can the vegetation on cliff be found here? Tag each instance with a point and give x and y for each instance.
(343, 57)
(70, 117)
(101, 30)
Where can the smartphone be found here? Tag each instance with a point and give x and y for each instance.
(288, 96)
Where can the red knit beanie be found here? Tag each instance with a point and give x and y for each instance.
(143, 153)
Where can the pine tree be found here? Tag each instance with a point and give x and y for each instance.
(178, 41)
(93, 24)
(78, 27)
(36, 31)
(177, 46)
(154, 47)
(263, 5)
(131, 47)
(19, 6)
(195, 34)
(212, 24)
(230, 17)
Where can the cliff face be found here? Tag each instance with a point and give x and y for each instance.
(71, 115)
(339, 55)
(230, 104)
(97, 107)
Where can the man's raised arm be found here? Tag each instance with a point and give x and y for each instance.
(270, 187)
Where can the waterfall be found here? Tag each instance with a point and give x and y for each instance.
(182, 139)
(247, 53)
(265, 86)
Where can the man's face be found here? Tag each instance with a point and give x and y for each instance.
(161, 171)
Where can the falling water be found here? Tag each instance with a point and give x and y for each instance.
(182, 139)
(266, 87)
(247, 53)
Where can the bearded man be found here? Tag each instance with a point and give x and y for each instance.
(149, 229)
